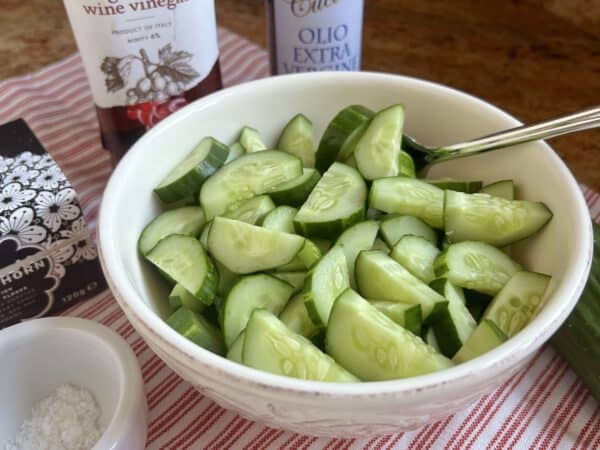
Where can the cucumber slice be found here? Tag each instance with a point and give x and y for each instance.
(270, 346)
(452, 325)
(370, 345)
(296, 191)
(577, 339)
(304, 260)
(187, 177)
(328, 279)
(341, 135)
(453, 184)
(487, 336)
(183, 259)
(297, 139)
(518, 301)
(381, 246)
(244, 248)
(281, 219)
(295, 279)
(295, 317)
(497, 221)
(503, 188)
(475, 265)
(186, 221)
(409, 196)
(380, 277)
(249, 293)
(393, 228)
(249, 175)
(406, 165)
(417, 255)
(336, 203)
(252, 211)
(404, 314)
(235, 151)
(180, 297)
(251, 141)
(197, 329)
(355, 239)
(235, 351)
(431, 340)
(377, 152)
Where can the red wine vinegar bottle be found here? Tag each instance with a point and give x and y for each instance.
(144, 60)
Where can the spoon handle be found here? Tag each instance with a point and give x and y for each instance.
(583, 120)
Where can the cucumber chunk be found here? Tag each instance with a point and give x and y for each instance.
(380, 277)
(204, 235)
(452, 325)
(336, 203)
(518, 301)
(377, 152)
(486, 337)
(406, 165)
(249, 175)
(452, 184)
(281, 219)
(235, 151)
(355, 239)
(404, 314)
(197, 329)
(431, 340)
(186, 221)
(340, 137)
(326, 281)
(187, 177)
(370, 345)
(295, 317)
(270, 346)
(297, 139)
(296, 191)
(244, 248)
(503, 188)
(181, 297)
(295, 279)
(497, 221)
(235, 351)
(226, 278)
(252, 211)
(417, 255)
(304, 260)
(409, 196)
(183, 259)
(251, 141)
(249, 293)
(393, 228)
(475, 265)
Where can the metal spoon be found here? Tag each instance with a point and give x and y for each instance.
(424, 156)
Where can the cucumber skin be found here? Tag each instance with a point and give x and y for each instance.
(331, 229)
(191, 182)
(577, 340)
(339, 130)
(211, 340)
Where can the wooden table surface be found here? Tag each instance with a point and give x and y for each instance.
(534, 58)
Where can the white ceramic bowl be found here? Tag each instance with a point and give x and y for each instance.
(40, 355)
(435, 115)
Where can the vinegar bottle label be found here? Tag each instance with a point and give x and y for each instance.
(137, 51)
(314, 35)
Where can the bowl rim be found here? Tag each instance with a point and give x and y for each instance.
(188, 354)
(130, 386)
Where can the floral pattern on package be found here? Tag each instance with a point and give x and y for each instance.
(48, 260)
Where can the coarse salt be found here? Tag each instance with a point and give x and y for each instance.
(66, 420)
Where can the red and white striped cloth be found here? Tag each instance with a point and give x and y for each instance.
(544, 406)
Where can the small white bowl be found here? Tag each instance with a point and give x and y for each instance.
(435, 115)
(40, 355)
